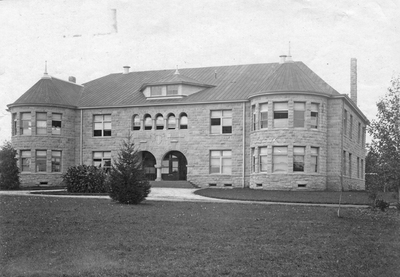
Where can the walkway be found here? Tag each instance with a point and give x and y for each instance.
(177, 195)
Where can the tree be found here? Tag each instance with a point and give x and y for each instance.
(127, 180)
(385, 131)
(9, 171)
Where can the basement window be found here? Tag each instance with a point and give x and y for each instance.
(212, 185)
(258, 185)
(227, 185)
(301, 185)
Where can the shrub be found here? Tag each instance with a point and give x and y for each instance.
(9, 172)
(381, 204)
(128, 183)
(85, 179)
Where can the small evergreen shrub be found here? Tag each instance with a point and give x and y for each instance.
(127, 180)
(85, 179)
(381, 204)
(9, 171)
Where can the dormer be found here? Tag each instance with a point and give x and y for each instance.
(175, 85)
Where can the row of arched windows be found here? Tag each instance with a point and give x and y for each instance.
(159, 123)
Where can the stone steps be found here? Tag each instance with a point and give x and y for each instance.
(172, 184)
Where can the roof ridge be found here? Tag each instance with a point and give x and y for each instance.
(68, 82)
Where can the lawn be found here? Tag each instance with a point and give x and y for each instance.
(42, 236)
(328, 197)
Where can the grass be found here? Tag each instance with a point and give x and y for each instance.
(41, 236)
(329, 197)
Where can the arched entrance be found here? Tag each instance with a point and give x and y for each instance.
(148, 163)
(173, 166)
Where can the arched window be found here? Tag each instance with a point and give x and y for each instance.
(171, 122)
(148, 123)
(183, 121)
(159, 122)
(135, 122)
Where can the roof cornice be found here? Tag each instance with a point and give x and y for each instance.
(317, 93)
(352, 105)
(164, 104)
(42, 105)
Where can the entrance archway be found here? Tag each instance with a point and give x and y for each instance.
(148, 165)
(173, 166)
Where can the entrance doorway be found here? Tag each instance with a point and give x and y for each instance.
(148, 165)
(174, 166)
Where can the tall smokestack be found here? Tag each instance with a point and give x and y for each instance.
(353, 80)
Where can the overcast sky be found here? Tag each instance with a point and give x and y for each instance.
(80, 38)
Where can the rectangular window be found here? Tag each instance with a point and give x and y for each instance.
(358, 167)
(156, 91)
(262, 152)
(345, 122)
(25, 161)
(172, 90)
(299, 114)
(314, 159)
(253, 118)
(102, 159)
(344, 165)
(281, 115)
(14, 124)
(253, 159)
(350, 167)
(102, 125)
(56, 123)
(25, 125)
(221, 122)
(351, 126)
(221, 162)
(314, 115)
(41, 123)
(359, 133)
(41, 160)
(264, 115)
(362, 169)
(279, 159)
(298, 158)
(55, 161)
(363, 137)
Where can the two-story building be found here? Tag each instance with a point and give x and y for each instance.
(267, 126)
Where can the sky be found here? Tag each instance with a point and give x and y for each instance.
(89, 39)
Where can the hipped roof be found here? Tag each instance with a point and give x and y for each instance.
(221, 83)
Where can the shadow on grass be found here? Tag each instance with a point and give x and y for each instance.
(316, 197)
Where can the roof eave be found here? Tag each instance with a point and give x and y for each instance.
(145, 85)
(290, 92)
(353, 105)
(42, 105)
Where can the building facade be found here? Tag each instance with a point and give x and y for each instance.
(265, 126)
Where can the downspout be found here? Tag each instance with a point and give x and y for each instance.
(244, 145)
(342, 147)
(81, 141)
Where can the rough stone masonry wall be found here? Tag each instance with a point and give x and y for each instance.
(195, 143)
(338, 142)
(64, 142)
(354, 144)
(290, 137)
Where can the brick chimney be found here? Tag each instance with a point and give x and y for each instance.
(72, 79)
(353, 80)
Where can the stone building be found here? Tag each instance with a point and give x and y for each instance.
(264, 126)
